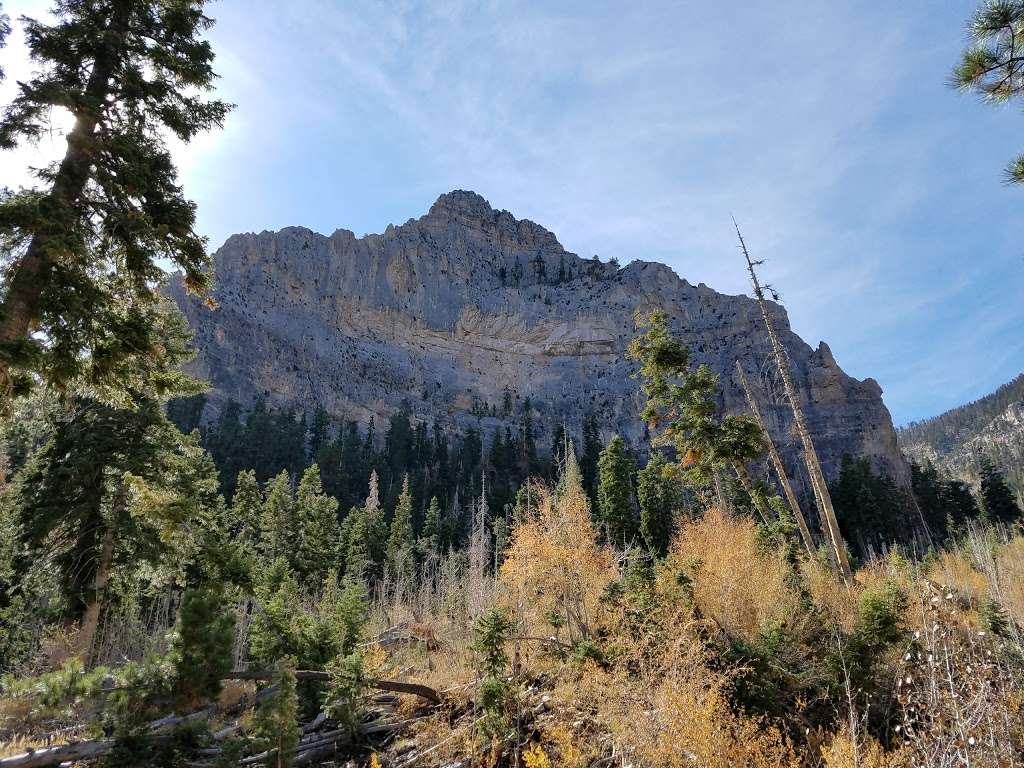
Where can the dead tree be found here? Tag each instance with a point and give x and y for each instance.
(818, 484)
(780, 469)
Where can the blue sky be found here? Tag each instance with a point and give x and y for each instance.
(635, 130)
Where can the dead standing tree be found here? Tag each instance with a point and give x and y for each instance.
(818, 484)
(780, 469)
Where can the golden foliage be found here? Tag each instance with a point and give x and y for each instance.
(734, 582)
(676, 713)
(555, 567)
(535, 757)
(846, 750)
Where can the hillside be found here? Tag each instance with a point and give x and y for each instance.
(467, 310)
(992, 426)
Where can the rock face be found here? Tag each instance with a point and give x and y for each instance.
(450, 311)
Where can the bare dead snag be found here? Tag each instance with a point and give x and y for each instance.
(744, 478)
(780, 469)
(821, 494)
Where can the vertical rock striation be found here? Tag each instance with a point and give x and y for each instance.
(449, 310)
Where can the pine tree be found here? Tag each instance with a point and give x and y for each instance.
(274, 633)
(430, 537)
(117, 488)
(991, 65)
(279, 528)
(658, 496)
(203, 647)
(366, 537)
(614, 495)
(871, 508)
(530, 465)
(997, 499)
(5, 30)
(591, 451)
(81, 253)
(318, 431)
(318, 516)
(243, 520)
(400, 537)
(558, 445)
(276, 722)
(681, 402)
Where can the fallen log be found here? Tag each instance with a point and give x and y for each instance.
(80, 750)
(392, 686)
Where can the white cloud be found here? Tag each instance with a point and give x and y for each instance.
(636, 131)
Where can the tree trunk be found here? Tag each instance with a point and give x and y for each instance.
(780, 469)
(91, 617)
(723, 502)
(748, 486)
(20, 308)
(824, 500)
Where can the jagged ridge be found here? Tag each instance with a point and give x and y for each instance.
(452, 308)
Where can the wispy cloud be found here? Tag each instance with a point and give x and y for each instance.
(636, 131)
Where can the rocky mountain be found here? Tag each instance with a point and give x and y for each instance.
(452, 311)
(992, 427)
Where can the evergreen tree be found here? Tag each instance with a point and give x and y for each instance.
(530, 464)
(398, 443)
(279, 528)
(80, 254)
(186, 413)
(430, 537)
(945, 504)
(558, 445)
(276, 722)
(243, 519)
(5, 30)
(318, 516)
(657, 493)
(366, 537)
(400, 537)
(682, 403)
(591, 451)
(614, 496)
(991, 65)
(118, 487)
(225, 443)
(203, 647)
(871, 509)
(318, 431)
(997, 499)
(959, 503)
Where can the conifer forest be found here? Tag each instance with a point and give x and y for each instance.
(702, 550)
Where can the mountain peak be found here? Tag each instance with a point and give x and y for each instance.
(462, 202)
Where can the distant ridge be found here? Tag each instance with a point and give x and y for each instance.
(992, 426)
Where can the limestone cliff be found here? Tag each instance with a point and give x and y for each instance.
(449, 310)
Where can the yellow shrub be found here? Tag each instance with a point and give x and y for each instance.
(535, 757)
(554, 566)
(676, 714)
(734, 582)
(845, 751)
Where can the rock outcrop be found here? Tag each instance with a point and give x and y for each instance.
(449, 311)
